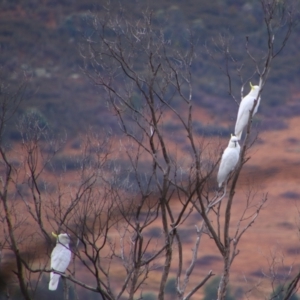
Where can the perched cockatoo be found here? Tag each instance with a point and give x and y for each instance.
(229, 159)
(60, 258)
(244, 110)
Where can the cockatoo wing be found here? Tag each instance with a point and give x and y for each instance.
(243, 114)
(256, 107)
(60, 259)
(229, 160)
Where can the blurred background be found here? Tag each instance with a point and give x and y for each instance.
(42, 39)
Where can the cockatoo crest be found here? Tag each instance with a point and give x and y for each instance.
(62, 238)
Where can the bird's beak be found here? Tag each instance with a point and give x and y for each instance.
(251, 85)
(55, 235)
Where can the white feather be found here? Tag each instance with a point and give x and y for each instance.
(244, 110)
(60, 259)
(229, 160)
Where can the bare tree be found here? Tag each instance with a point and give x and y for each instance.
(119, 187)
(276, 16)
(11, 221)
(141, 102)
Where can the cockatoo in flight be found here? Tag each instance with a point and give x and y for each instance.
(60, 258)
(229, 159)
(244, 110)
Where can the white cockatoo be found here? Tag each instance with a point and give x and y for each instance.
(60, 258)
(229, 159)
(244, 110)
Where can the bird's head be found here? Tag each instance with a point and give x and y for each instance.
(254, 88)
(62, 238)
(233, 141)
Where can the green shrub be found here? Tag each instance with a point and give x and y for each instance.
(211, 290)
(279, 293)
(171, 287)
(149, 296)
